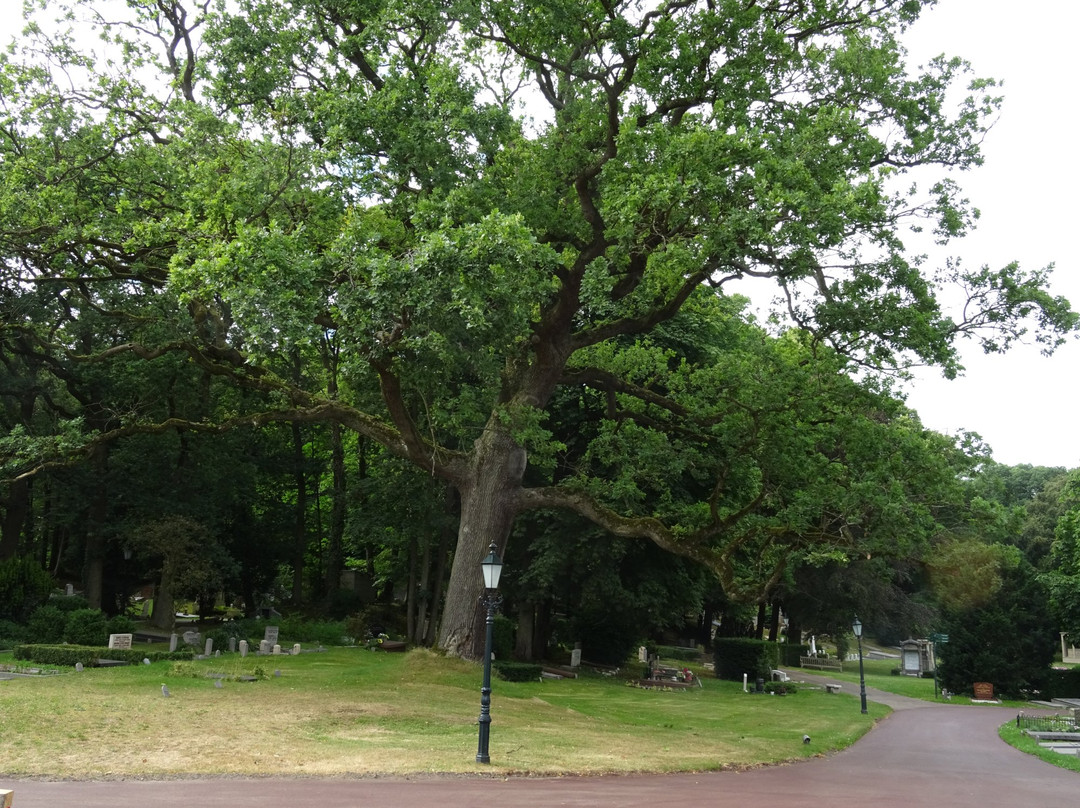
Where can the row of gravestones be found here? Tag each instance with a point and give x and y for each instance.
(268, 645)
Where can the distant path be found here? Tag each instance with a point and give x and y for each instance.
(923, 754)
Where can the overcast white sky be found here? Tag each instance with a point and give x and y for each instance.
(1023, 404)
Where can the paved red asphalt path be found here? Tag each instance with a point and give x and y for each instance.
(921, 755)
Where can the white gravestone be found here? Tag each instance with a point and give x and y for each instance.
(120, 641)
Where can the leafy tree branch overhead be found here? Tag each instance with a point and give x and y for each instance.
(480, 214)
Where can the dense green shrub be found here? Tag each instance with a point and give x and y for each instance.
(46, 624)
(790, 653)
(11, 634)
(517, 671)
(24, 586)
(305, 630)
(120, 624)
(736, 656)
(86, 627)
(1063, 684)
(69, 603)
(781, 688)
(502, 640)
(1008, 641)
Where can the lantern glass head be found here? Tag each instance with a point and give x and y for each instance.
(856, 627)
(492, 568)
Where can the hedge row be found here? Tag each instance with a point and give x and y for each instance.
(88, 655)
(517, 671)
(676, 652)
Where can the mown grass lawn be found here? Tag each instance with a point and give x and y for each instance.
(351, 711)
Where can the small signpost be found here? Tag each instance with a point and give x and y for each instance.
(936, 638)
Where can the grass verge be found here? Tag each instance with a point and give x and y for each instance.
(1015, 737)
(353, 712)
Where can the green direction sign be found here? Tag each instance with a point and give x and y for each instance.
(939, 638)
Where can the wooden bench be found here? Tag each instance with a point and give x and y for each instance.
(821, 663)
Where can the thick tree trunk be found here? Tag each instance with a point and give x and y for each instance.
(794, 630)
(526, 626)
(94, 549)
(164, 614)
(774, 623)
(300, 515)
(446, 536)
(411, 594)
(487, 514)
(335, 552)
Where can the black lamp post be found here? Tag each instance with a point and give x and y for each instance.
(857, 628)
(492, 568)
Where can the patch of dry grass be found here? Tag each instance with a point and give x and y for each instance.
(357, 712)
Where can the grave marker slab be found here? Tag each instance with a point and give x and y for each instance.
(120, 641)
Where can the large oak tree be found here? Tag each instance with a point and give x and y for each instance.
(486, 205)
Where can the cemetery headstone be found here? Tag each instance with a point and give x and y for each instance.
(78, 667)
(208, 648)
(69, 590)
(984, 691)
(271, 635)
(642, 654)
(243, 648)
(192, 637)
(296, 649)
(575, 658)
(120, 641)
(173, 639)
(232, 645)
(277, 649)
(264, 647)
